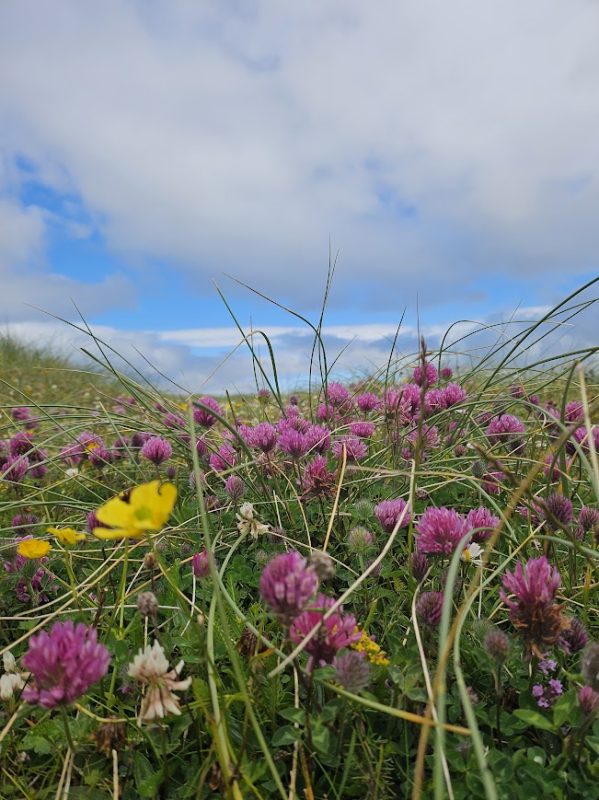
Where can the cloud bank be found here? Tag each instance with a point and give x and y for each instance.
(435, 143)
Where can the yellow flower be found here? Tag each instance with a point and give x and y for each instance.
(33, 548)
(372, 650)
(130, 515)
(66, 535)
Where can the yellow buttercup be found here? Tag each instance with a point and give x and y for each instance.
(144, 509)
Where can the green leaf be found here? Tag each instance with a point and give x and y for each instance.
(321, 738)
(285, 735)
(293, 714)
(534, 718)
(563, 708)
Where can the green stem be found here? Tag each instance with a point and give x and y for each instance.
(67, 729)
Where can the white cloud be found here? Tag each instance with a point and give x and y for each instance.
(215, 359)
(435, 142)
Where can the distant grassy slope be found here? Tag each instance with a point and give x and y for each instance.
(32, 375)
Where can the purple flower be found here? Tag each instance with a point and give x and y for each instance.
(537, 582)
(368, 402)
(355, 448)
(337, 394)
(433, 401)
(533, 611)
(336, 632)
(581, 436)
(440, 531)
(22, 522)
(388, 513)
(263, 437)
(173, 420)
(429, 608)
(452, 394)
(557, 511)
(426, 376)
(427, 437)
(317, 478)
(202, 416)
(588, 519)
(318, 438)
(505, 428)
(403, 402)
(235, 487)
(157, 450)
(224, 458)
(200, 564)
(574, 412)
(446, 372)
(20, 444)
(419, 565)
(21, 414)
(352, 671)
(63, 664)
(14, 468)
(293, 443)
(287, 584)
(481, 522)
(588, 700)
(574, 638)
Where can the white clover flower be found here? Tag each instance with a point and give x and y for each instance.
(150, 667)
(247, 524)
(13, 679)
(473, 554)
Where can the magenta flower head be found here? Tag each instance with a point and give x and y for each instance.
(575, 638)
(224, 458)
(294, 443)
(389, 512)
(337, 394)
(446, 372)
(482, 522)
(368, 402)
(63, 664)
(440, 531)
(317, 478)
(557, 511)
(235, 487)
(21, 414)
(533, 610)
(20, 444)
(429, 608)
(588, 519)
(263, 437)
(287, 584)
(451, 395)
(355, 449)
(352, 671)
(426, 376)
(363, 430)
(318, 437)
(200, 564)
(588, 700)
(14, 468)
(202, 416)
(505, 428)
(157, 450)
(336, 632)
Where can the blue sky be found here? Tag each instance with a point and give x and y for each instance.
(448, 152)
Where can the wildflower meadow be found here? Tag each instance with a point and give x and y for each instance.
(380, 585)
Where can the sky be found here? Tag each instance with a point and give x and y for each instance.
(152, 152)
